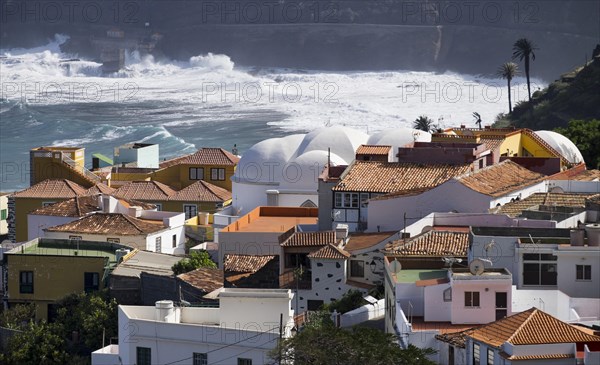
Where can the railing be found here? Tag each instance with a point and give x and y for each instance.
(288, 280)
(81, 169)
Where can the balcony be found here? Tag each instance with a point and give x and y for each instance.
(288, 280)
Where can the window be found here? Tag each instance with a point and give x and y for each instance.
(481, 163)
(3, 214)
(217, 174)
(539, 269)
(158, 246)
(476, 356)
(26, 282)
(448, 295)
(471, 299)
(158, 206)
(490, 357)
(584, 272)
(196, 173)
(363, 199)
(314, 305)
(346, 200)
(143, 356)
(113, 240)
(91, 281)
(200, 359)
(357, 268)
(191, 210)
(174, 240)
(45, 204)
(244, 361)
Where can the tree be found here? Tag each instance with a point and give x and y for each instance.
(18, 316)
(321, 343)
(586, 136)
(196, 260)
(523, 50)
(477, 117)
(424, 123)
(351, 300)
(508, 71)
(39, 343)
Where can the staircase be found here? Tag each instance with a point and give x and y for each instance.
(80, 170)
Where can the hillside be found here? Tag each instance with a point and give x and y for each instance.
(576, 95)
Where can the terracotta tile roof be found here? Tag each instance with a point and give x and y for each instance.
(365, 149)
(390, 177)
(144, 190)
(245, 263)
(74, 207)
(52, 188)
(500, 179)
(320, 238)
(136, 203)
(204, 156)
(202, 191)
(454, 338)
(100, 188)
(205, 279)
(432, 243)
(109, 223)
(531, 327)
(536, 357)
(329, 252)
(588, 175)
(515, 208)
(492, 142)
(361, 241)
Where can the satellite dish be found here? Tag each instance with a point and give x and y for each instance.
(395, 266)
(477, 267)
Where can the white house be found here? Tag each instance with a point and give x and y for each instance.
(162, 232)
(76, 208)
(242, 330)
(473, 192)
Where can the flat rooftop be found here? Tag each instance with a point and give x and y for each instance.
(418, 324)
(414, 275)
(62, 247)
(489, 273)
(273, 219)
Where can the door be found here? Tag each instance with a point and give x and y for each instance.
(501, 305)
(450, 355)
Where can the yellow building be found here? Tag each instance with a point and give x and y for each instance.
(213, 165)
(45, 270)
(36, 196)
(200, 196)
(504, 142)
(60, 163)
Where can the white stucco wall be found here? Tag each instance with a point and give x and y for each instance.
(435, 309)
(167, 241)
(37, 223)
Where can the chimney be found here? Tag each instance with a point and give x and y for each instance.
(341, 232)
(165, 311)
(135, 211)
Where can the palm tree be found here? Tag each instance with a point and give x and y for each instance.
(477, 117)
(508, 71)
(424, 123)
(523, 50)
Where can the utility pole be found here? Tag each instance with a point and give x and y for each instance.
(280, 334)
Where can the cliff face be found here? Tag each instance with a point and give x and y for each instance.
(471, 37)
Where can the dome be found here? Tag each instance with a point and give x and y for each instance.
(264, 161)
(343, 141)
(399, 137)
(303, 171)
(562, 144)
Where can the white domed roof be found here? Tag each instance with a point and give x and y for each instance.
(398, 137)
(264, 161)
(562, 144)
(303, 171)
(343, 141)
